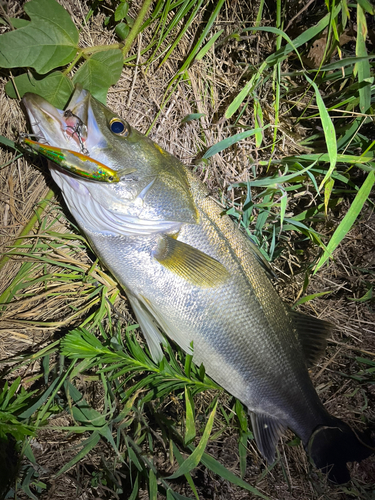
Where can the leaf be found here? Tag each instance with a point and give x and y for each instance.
(349, 219)
(152, 485)
(329, 132)
(7, 142)
(98, 73)
(89, 444)
(81, 410)
(122, 30)
(180, 460)
(193, 460)
(18, 23)
(48, 41)
(367, 296)
(313, 296)
(363, 68)
(224, 473)
(56, 87)
(366, 6)
(208, 45)
(258, 116)
(121, 11)
(192, 116)
(327, 193)
(190, 432)
(229, 141)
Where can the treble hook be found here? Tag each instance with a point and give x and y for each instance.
(77, 130)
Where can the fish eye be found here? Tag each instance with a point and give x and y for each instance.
(119, 127)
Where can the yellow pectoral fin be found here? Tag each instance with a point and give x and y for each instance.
(190, 264)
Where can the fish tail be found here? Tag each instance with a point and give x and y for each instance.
(332, 446)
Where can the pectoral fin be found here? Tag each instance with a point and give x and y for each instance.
(189, 263)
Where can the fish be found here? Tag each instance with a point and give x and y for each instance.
(190, 274)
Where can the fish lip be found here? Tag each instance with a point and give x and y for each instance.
(54, 125)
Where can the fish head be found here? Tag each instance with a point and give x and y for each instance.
(153, 192)
(89, 127)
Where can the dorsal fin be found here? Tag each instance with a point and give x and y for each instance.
(312, 334)
(267, 431)
(190, 263)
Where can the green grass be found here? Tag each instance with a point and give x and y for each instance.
(130, 414)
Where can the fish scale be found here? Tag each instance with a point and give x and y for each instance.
(190, 273)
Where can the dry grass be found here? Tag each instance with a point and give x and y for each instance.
(138, 97)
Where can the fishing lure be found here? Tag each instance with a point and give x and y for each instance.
(76, 163)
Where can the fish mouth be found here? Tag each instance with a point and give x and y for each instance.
(66, 129)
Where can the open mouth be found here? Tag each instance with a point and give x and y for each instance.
(55, 127)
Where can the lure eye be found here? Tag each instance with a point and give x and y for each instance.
(119, 127)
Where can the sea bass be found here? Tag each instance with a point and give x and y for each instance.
(189, 272)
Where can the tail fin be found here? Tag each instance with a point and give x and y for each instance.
(332, 446)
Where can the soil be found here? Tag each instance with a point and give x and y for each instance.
(34, 318)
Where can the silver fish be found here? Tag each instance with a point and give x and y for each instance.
(189, 272)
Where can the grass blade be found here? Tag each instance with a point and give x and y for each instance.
(194, 459)
(347, 223)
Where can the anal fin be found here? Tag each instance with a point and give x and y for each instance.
(267, 431)
(190, 263)
(148, 326)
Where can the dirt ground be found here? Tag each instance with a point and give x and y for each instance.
(137, 97)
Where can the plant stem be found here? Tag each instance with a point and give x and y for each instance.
(101, 48)
(136, 26)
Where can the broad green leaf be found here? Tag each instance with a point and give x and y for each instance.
(349, 219)
(50, 40)
(99, 72)
(122, 30)
(18, 23)
(56, 87)
(193, 460)
(121, 11)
